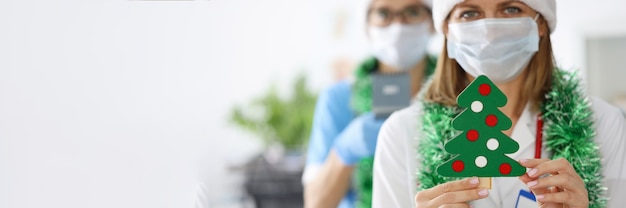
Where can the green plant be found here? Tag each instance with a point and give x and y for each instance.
(286, 121)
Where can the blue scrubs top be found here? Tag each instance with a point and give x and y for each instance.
(332, 116)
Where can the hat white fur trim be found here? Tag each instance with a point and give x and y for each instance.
(442, 8)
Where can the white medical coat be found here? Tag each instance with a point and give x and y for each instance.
(396, 160)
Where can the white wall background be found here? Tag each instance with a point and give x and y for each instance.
(123, 103)
(607, 59)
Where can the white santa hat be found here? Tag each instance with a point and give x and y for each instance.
(442, 8)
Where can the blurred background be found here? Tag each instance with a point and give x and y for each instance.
(116, 103)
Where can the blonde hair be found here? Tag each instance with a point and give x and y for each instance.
(450, 79)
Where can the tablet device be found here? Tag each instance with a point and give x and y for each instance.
(391, 92)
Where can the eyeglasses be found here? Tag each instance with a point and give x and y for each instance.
(410, 15)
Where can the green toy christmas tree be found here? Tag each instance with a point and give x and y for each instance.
(482, 146)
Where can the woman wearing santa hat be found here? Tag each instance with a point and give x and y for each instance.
(345, 130)
(573, 146)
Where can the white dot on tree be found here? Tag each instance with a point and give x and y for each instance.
(481, 161)
(492, 144)
(477, 106)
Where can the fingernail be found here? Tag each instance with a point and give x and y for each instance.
(474, 181)
(531, 184)
(483, 192)
(532, 172)
(523, 160)
(539, 197)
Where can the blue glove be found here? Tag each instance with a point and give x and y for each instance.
(358, 139)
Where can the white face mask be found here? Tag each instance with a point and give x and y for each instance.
(498, 48)
(398, 45)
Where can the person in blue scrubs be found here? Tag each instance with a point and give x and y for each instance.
(344, 129)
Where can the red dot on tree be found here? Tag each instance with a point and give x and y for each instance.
(505, 168)
(472, 135)
(484, 89)
(458, 166)
(491, 120)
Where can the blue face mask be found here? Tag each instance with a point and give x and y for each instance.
(398, 45)
(499, 48)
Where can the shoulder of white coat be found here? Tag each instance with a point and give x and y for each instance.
(610, 128)
(404, 122)
(610, 124)
(604, 111)
(397, 143)
(406, 115)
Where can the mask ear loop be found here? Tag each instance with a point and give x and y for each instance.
(537, 16)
